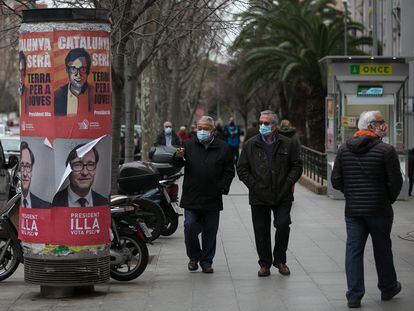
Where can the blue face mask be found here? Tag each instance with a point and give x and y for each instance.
(203, 135)
(168, 130)
(265, 130)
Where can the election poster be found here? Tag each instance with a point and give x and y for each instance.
(82, 95)
(36, 90)
(66, 129)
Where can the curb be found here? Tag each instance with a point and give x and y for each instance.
(312, 185)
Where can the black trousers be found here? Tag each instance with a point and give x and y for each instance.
(261, 216)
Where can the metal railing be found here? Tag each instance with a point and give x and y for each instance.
(314, 164)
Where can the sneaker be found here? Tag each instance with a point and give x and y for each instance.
(354, 304)
(208, 269)
(264, 271)
(192, 265)
(283, 268)
(391, 293)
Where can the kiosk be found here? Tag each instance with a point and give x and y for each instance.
(361, 83)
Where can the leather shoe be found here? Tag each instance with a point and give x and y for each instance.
(264, 271)
(208, 269)
(354, 304)
(391, 293)
(192, 265)
(283, 268)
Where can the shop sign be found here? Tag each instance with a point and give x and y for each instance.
(370, 69)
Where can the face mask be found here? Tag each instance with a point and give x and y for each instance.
(381, 130)
(203, 135)
(265, 130)
(168, 130)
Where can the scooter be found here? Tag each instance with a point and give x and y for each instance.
(167, 199)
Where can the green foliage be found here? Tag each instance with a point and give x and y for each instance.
(282, 41)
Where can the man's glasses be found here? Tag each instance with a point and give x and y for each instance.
(79, 166)
(76, 70)
(378, 122)
(264, 123)
(25, 167)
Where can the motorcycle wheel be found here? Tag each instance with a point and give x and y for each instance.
(10, 262)
(171, 223)
(137, 261)
(153, 216)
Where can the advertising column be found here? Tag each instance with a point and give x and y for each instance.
(64, 62)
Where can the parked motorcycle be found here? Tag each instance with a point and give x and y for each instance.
(167, 198)
(162, 158)
(128, 250)
(138, 184)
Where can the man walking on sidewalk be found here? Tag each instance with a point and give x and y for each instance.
(367, 171)
(269, 166)
(208, 172)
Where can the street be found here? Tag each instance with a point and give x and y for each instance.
(316, 260)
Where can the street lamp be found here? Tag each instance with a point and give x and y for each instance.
(345, 2)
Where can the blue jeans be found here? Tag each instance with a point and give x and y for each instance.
(206, 223)
(357, 229)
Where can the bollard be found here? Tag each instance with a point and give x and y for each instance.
(65, 109)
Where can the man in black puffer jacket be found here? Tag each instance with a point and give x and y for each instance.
(368, 172)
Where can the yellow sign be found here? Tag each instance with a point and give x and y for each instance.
(349, 122)
(371, 69)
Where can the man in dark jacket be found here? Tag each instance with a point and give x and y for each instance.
(232, 133)
(368, 172)
(269, 166)
(286, 129)
(208, 172)
(251, 131)
(168, 137)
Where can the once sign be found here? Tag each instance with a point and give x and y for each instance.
(370, 70)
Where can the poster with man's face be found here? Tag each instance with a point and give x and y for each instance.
(66, 129)
(82, 172)
(82, 95)
(65, 84)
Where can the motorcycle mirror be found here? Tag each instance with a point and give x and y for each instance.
(13, 161)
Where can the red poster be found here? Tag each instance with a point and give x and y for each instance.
(81, 83)
(36, 91)
(34, 225)
(81, 226)
(66, 128)
(65, 226)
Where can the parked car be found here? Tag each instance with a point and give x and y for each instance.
(5, 167)
(11, 146)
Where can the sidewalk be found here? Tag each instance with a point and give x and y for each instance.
(316, 259)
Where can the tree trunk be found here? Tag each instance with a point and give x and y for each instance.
(315, 120)
(118, 101)
(147, 111)
(131, 82)
(174, 110)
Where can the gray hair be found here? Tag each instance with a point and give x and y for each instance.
(366, 118)
(275, 118)
(208, 119)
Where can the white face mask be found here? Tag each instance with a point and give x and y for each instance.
(203, 135)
